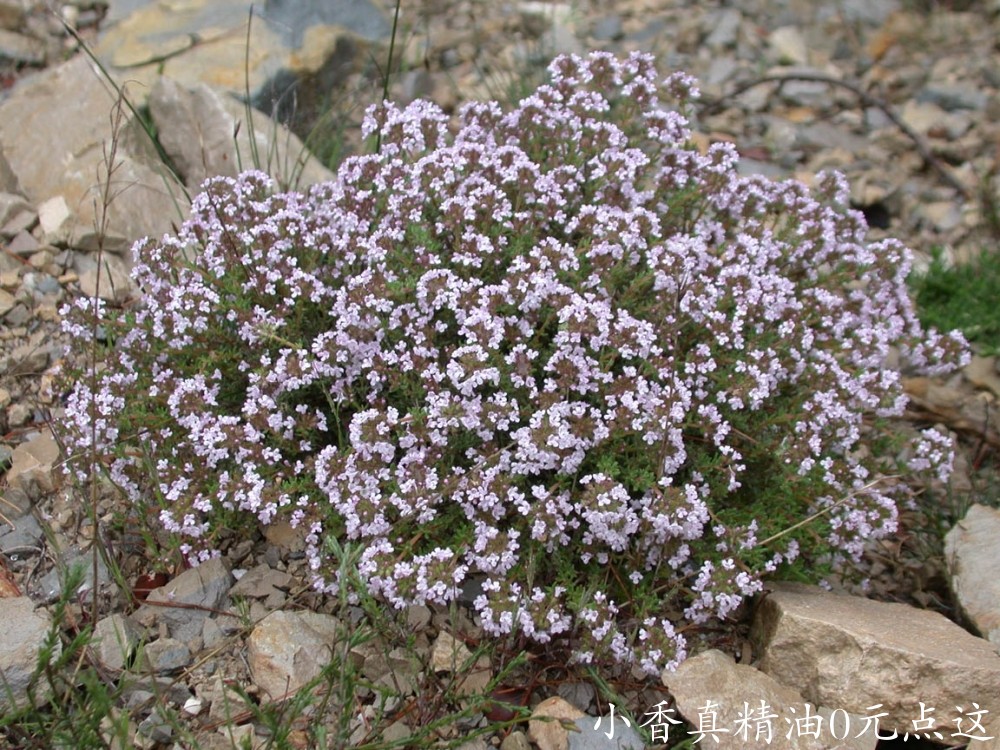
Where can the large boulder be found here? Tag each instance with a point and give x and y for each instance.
(851, 653)
(207, 41)
(56, 134)
(206, 132)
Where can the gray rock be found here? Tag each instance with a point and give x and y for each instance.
(288, 649)
(156, 728)
(970, 550)
(953, 95)
(605, 733)
(579, 694)
(16, 500)
(187, 601)
(163, 656)
(851, 653)
(50, 159)
(871, 12)
(25, 533)
(264, 582)
(21, 49)
(806, 93)
(42, 283)
(826, 135)
(12, 204)
(607, 28)
(195, 130)
(418, 617)
(747, 167)
(25, 630)
(876, 118)
(207, 43)
(161, 688)
(114, 640)
(19, 316)
(723, 28)
(17, 227)
(53, 582)
(27, 359)
(33, 461)
(720, 70)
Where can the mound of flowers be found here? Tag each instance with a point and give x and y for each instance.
(554, 355)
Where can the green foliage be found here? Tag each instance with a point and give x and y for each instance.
(963, 297)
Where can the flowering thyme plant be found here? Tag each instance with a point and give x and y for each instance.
(555, 353)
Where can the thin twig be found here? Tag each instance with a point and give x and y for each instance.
(824, 511)
(869, 100)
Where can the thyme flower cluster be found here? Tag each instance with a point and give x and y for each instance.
(555, 357)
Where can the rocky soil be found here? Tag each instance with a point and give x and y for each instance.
(904, 97)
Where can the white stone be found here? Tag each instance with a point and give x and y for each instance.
(54, 218)
(193, 706)
(789, 46)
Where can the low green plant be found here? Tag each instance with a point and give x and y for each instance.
(962, 296)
